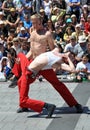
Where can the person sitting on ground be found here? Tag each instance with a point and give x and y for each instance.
(5, 66)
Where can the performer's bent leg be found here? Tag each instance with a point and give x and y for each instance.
(50, 76)
(25, 101)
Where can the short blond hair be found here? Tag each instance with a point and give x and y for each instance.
(36, 16)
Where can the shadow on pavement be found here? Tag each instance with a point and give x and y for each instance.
(61, 110)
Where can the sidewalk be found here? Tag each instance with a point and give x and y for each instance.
(64, 118)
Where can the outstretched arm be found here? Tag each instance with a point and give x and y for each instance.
(68, 67)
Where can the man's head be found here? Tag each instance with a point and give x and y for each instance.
(36, 20)
(82, 40)
(72, 40)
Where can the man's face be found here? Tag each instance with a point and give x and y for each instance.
(36, 23)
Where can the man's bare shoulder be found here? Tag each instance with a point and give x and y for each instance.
(48, 33)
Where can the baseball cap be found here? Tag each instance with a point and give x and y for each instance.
(82, 39)
(69, 20)
(22, 28)
(12, 10)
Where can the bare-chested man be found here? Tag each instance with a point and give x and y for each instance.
(39, 41)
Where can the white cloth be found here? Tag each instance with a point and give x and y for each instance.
(52, 59)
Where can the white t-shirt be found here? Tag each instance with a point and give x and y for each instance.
(81, 66)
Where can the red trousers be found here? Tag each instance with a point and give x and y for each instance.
(25, 80)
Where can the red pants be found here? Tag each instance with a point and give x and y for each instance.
(50, 76)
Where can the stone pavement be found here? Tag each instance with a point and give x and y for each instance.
(64, 118)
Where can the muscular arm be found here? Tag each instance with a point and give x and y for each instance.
(68, 67)
(29, 54)
(50, 41)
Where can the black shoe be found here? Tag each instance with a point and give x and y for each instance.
(20, 110)
(13, 82)
(50, 109)
(79, 108)
(40, 78)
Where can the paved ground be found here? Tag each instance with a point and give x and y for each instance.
(64, 117)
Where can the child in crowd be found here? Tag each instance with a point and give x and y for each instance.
(5, 66)
(83, 68)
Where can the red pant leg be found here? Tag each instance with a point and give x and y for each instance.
(25, 101)
(19, 68)
(50, 76)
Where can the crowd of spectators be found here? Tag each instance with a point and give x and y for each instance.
(67, 20)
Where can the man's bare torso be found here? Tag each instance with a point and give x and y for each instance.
(39, 42)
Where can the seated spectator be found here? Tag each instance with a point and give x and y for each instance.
(1, 50)
(23, 35)
(78, 32)
(19, 5)
(60, 4)
(16, 44)
(57, 14)
(24, 48)
(80, 48)
(58, 35)
(74, 19)
(70, 46)
(85, 11)
(28, 7)
(20, 24)
(50, 26)
(74, 8)
(88, 49)
(11, 35)
(12, 19)
(3, 29)
(82, 24)
(68, 23)
(44, 17)
(47, 7)
(87, 24)
(5, 66)
(27, 23)
(67, 34)
(83, 68)
(6, 6)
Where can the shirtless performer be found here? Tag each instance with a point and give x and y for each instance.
(39, 39)
(43, 40)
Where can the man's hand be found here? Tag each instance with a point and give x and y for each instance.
(17, 60)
